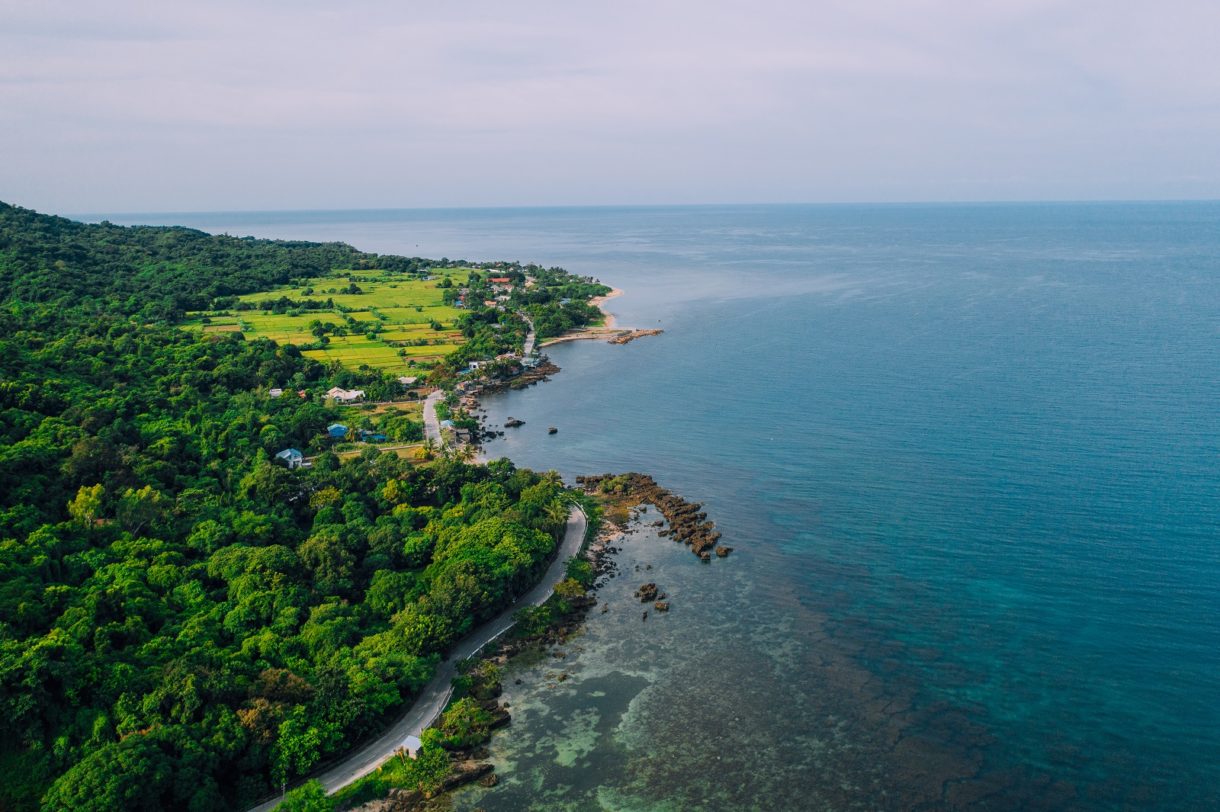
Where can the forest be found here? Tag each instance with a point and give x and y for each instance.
(184, 623)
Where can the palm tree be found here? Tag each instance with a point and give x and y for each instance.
(557, 511)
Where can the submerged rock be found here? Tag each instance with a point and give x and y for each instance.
(464, 772)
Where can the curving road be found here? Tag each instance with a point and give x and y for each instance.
(435, 694)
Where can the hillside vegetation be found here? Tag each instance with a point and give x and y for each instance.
(183, 623)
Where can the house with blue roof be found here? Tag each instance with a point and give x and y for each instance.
(292, 457)
(337, 431)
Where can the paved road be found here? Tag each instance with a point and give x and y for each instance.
(432, 699)
(432, 426)
(529, 339)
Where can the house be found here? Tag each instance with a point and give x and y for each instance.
(475, 366)
(446, 424)
(337, 431)
(407, 381)
(500, 280)
(276, 393)
(345, 395)
(291, 457)
(367, 436)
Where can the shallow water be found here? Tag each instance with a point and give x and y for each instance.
(968, 458)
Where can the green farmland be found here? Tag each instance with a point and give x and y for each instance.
(396, 318)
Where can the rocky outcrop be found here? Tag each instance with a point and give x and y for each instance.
(646, 593)
(530, 377)
(687, 523)
(632, 335)
(464, 772)
(527, 377)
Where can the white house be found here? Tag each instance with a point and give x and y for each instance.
(345, 395)
(275, 393)
(407, 381)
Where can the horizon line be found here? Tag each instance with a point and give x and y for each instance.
(544, 206)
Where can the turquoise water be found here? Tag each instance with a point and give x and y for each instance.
(968, 458)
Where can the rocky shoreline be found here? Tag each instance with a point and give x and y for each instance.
(687, 523)
(632, 335)
(610, 335)
(468, 764)
(624, 500)
(527, 377)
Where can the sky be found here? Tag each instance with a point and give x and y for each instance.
(134, 106)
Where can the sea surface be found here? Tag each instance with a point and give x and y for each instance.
(968, 456)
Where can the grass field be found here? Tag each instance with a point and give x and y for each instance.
(403, 307)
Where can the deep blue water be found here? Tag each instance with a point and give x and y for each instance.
(968, 455)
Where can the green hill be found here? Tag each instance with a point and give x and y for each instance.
(184, 623)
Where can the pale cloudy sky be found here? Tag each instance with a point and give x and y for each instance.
(129, 105)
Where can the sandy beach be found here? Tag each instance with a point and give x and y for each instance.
(600, 301)
(609, 330)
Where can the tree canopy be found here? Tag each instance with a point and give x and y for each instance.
(184, 623)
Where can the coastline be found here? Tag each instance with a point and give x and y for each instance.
(609, 330)
(599, 302)
(625, 511)
(432, 699)
(623, 500)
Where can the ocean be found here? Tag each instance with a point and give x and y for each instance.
(968, 458)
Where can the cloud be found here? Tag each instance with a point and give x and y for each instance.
(175, 105)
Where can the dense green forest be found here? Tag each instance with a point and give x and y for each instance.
(183, 623)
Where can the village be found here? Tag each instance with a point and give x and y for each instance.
(429, 417)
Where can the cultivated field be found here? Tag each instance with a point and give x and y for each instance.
(398, 317)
